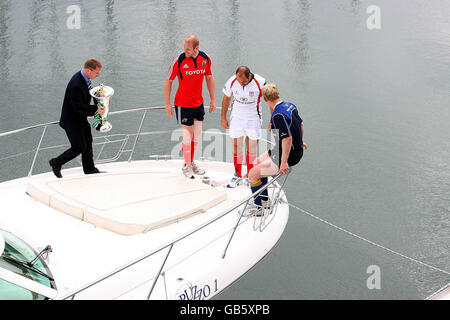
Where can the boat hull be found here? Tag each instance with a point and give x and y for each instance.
(189, 259)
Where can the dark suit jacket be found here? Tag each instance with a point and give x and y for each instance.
(76, 106)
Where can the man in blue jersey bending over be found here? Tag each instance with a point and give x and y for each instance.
(287, 126)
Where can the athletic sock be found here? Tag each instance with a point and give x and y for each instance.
(250, 158)
(193, 147)
(255, 186)
(265, 192)
(237, 159)
(186, 153)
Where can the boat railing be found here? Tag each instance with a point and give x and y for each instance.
(106, 139)
(276, 196)
(131, 151)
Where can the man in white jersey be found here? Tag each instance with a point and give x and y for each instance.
(244, 89)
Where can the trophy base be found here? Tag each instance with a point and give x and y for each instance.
(105, 127)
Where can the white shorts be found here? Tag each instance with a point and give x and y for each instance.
(243, 127)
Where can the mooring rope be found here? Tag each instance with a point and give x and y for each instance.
(370, 242)
(379, 246)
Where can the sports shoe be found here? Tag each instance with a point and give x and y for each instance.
(254, 211)
(235, 181)
(188, 172)
(265, 204)
(197, 169)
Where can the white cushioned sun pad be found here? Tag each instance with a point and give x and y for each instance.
(127, 203)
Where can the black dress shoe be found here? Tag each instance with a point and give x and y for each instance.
(95, 170)
(56, 169)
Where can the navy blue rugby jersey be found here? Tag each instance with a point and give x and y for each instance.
(286, 122)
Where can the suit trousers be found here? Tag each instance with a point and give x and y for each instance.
(80, 138)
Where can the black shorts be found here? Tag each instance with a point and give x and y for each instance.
(294, 157)
(187, 115)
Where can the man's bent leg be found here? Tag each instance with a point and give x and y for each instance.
(76, 147)
(261, 158)
(258, 178)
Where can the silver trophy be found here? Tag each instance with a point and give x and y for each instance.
(103, 95)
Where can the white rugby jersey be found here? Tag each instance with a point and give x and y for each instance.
(246, 100)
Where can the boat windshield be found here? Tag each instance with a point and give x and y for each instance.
(15, 257)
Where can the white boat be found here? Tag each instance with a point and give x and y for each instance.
(441, 294)
(139, 231)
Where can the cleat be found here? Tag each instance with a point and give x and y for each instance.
(266, 204)
(235, 181)
(254, 211)
(196, 169)
(188, 172)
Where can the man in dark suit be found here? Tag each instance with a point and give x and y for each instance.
(75, 110)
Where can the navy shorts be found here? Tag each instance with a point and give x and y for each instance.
(294, 157)
(187, 115)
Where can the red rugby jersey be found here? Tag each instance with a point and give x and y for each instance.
(190, 73)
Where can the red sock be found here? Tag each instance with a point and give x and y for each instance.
(186, 153)
(237, 159)
(250, 158)
(193, 146)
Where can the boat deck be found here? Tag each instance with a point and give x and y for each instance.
(127, 200)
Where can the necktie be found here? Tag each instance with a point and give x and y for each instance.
(89, 83)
